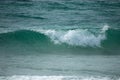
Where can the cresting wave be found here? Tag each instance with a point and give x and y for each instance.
(56, 78)
(76, 37)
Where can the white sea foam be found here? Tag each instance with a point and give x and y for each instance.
(105, 28)
(78, 37)
(54, 78)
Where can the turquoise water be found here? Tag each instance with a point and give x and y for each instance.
(59, 40)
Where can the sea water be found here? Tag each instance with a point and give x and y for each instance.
(59, 39)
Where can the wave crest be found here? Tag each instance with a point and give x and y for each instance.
(78, 37)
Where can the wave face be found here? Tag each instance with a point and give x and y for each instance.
(105, 37)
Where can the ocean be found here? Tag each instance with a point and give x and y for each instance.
(59, 39)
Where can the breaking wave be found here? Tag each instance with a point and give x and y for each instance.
(77, 37)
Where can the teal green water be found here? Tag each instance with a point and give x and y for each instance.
(61, 39)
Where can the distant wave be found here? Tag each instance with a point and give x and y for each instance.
(105, 37)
